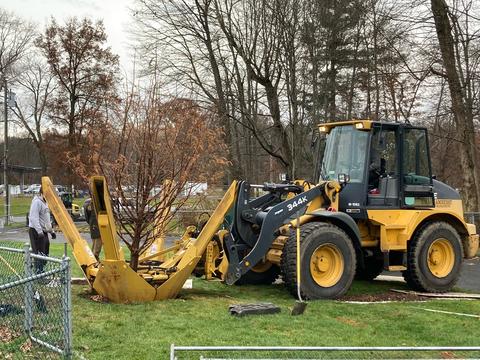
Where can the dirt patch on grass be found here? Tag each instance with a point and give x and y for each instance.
(382, 297)
(349, 321)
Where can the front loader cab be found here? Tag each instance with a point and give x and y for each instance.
(388, 165)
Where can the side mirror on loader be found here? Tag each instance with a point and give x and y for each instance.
(343, 179)
(283, 177)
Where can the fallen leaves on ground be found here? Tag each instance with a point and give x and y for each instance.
(7, 334)
(99, 298)
(447, 355)
(26, 346)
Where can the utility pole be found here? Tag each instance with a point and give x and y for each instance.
(5, 152)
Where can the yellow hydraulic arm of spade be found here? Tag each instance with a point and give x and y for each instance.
(106, 222)
(113, 278)
(80, 248)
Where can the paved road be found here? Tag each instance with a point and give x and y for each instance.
(22, 235)
(469, 280)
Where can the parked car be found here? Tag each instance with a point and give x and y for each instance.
(33, 189)
(61, 189)
(123, 208)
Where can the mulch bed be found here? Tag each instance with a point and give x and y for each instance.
(387, 296)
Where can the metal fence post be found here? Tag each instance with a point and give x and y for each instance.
(67, 307)
(28, 291)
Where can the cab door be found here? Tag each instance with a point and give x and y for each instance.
(383, 168)
(416, 180)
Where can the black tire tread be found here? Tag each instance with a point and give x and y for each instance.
(289, 256)
(412, 275)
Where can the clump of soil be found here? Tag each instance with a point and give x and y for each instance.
(386, 296)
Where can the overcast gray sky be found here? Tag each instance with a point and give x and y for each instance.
(114, 13)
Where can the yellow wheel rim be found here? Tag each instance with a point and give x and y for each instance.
(441, 258)
(326, 265)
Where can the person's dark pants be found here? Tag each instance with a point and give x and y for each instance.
(39, 246)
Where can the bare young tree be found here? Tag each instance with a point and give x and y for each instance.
(150, 151)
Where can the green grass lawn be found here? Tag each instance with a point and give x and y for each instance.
(20, 205)
(200, 317)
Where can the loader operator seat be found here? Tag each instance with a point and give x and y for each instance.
(376, 170)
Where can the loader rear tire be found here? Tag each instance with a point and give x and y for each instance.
(434, 259)
(260, 275)
(328, 261)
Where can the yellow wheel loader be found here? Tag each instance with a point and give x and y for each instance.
(374, 205)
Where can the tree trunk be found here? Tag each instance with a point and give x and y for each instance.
(134, 257)
(221, 101)
(43, 160)
(375, 65)
(280, 133)
(71, 139)
(462, 114)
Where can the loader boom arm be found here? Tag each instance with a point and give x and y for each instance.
(274, 218)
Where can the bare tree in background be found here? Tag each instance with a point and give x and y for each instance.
(36, 85)
(275, 69)
(185, 34)
(252, 29)
(457, 72)
(16, 35)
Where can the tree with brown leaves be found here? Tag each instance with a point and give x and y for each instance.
(84, 69)
(151, 154)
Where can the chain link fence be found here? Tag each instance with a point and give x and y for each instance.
(35, 305)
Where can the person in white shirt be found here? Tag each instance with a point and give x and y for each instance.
(39, 226)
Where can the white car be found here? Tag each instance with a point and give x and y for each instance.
(33, 189)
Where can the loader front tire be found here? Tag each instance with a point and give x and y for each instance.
(327, 261)
(434, 258)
